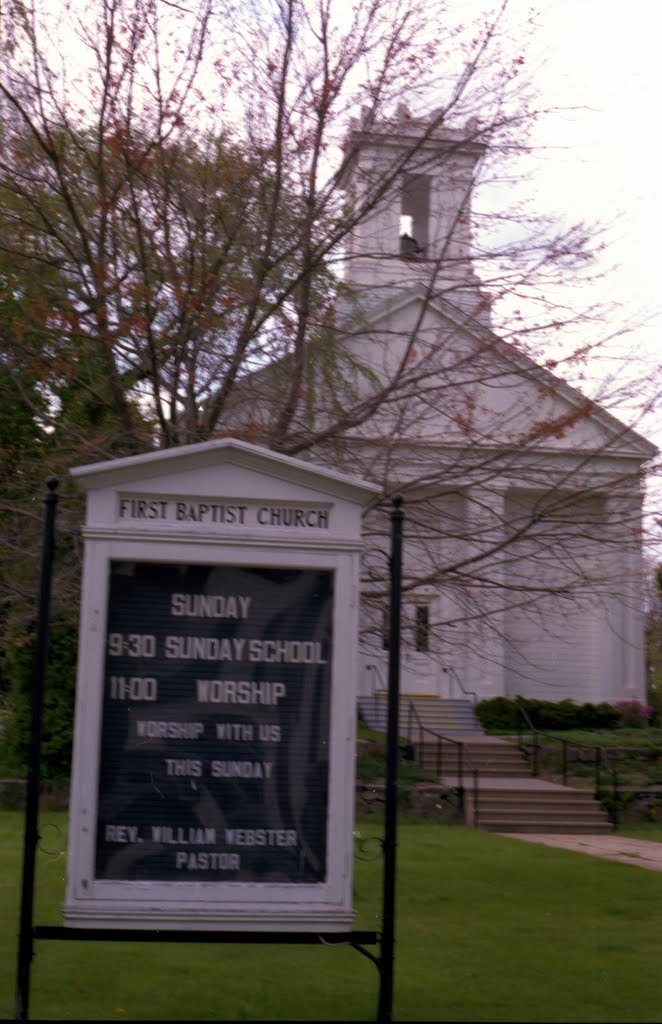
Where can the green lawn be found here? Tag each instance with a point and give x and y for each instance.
(651, 830)
(649, 738)
(634, 754)
(487, 929)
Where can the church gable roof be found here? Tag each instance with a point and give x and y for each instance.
(551, 412)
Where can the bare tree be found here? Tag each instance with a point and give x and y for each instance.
(204, 194)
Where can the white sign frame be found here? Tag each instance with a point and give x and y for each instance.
(324, 536)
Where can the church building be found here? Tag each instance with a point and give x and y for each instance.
(522, 497)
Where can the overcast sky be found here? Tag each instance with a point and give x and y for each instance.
(605, 57)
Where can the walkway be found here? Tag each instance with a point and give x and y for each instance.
(641, 853)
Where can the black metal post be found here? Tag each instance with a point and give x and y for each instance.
(25, 944)
(535, 753)
(384, 1013)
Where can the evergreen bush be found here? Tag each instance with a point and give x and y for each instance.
(501, 714)
(498, 713)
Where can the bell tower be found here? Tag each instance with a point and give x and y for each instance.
(416, 179)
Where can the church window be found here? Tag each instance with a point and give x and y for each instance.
(422, 628)
(414, 216)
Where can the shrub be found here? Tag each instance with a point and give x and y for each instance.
(546, 714)
(58, 710)
(599, 716)
(501, 714)
(634, 714)
(498, 713)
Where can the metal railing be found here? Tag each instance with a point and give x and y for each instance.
(599, 759)
(416, 734)
(371, 707)
(458, 682)
(377, 681)
(376, 677)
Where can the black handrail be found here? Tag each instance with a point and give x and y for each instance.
(376, 677)
(462, 752)
(600, 758)
(468, 693)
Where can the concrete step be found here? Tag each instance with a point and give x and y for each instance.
(543, 827)
(435, 713)
(493, 773)
(489, 810)
(496, 767)
(550, 809)
(520, 798)
(488, 759)
(513, 823)
(450, 766)
(442, 727)
(531, 811)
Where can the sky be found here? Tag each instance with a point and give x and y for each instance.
(603, 57)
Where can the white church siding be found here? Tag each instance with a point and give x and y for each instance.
(552, 614)
(555, 621)
(554, 656)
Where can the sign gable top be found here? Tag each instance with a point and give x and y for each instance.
(216, 455)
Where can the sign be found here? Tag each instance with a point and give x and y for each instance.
(214, 740)
(215, 737)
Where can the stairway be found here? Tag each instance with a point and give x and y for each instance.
(537, 809)
(507, 798)
(436, 713)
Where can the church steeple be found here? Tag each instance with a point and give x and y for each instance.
(417, 177)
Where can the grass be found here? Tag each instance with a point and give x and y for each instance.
(635, 755)
(649, 738)
(488, 928)
(371, 760)
(650, 830)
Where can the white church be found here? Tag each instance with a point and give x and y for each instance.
(522, 498)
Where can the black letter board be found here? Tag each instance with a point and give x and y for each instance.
(215, 731)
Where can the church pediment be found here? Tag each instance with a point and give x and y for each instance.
(486, 390)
